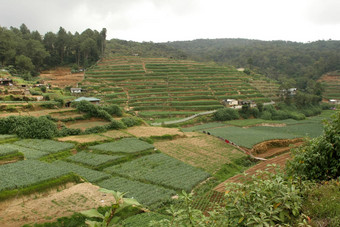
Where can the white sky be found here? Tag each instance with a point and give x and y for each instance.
(171, 20)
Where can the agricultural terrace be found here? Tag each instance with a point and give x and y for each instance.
(208, 153)
(21, 176)
(249, 132)
(125, 146)
(151, 177)
(148, 194)
(331, 82)
(161, 169)
(163, 88)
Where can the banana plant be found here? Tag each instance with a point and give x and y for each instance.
(107, 219)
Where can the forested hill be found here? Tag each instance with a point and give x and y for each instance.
(117, 47)
(275, 59)
(26, 53)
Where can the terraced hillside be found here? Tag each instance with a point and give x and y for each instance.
(160, 87)
(331, 82)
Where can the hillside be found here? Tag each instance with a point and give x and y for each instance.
(275, 59)
(161, 87)
(331, 82)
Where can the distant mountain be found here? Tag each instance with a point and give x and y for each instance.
(276, 59)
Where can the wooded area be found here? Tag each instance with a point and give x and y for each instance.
(289, 62)
(26, 52)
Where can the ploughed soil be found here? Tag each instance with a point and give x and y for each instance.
(36, 113)
(112, 134)
(147, 131)
(62, 77)
(278, 160)
(84, 124)
(272, 147)
(48, 206)
(276, 152)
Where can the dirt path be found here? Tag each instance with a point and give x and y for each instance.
(47, 208)
(278, 160)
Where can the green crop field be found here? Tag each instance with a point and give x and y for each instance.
(93, 160)
(92, 176)
(49, 146)
(165, 85)
(28, 152)
(162, 170)
(248, 137)
(147, 194)
(125, 145)
(26, 173)
(4, 151)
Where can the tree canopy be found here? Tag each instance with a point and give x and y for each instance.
(30, 52)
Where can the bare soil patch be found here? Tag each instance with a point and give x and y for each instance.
(147, 131)
(330, 78)
(274, 151)
(268, 125)
(55, 204)
(84, 124)
(267, 145)
(65, 115)
(115, 134)
(83, 138)
(62, 77)
(202, 151)
(37, 113)
(278, 160)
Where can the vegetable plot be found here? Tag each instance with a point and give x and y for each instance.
(86, 173)
(26, 173)
(93, 160)
(49, 146)
(146, 194)
(162, 170)
(126, 145)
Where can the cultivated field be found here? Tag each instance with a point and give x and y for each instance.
(201, 151)
(157, 87)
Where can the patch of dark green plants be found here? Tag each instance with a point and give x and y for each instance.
(234, 167)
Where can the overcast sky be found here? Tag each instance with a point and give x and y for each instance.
(171, 20)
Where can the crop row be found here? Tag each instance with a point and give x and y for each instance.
(26, 173)
(90, 175)
(126, 145)
(147, 194)
(49, 146)
(28, 152)
(93, 160)
(162, 170)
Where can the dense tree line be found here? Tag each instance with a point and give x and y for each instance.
(281, 60)
(27, 52)
(117, 47)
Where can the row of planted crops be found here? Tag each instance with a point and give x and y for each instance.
(159, 86)
(128, 165)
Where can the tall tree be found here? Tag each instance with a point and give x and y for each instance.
(103, 40)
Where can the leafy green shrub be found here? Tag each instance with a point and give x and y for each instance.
(268, 199)
(319, 158)
(322, 204)
(28, 127)
(266, 115)
(34, 92)
(226, 114)
(132, 121)
(64, 131)
(113, 110)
